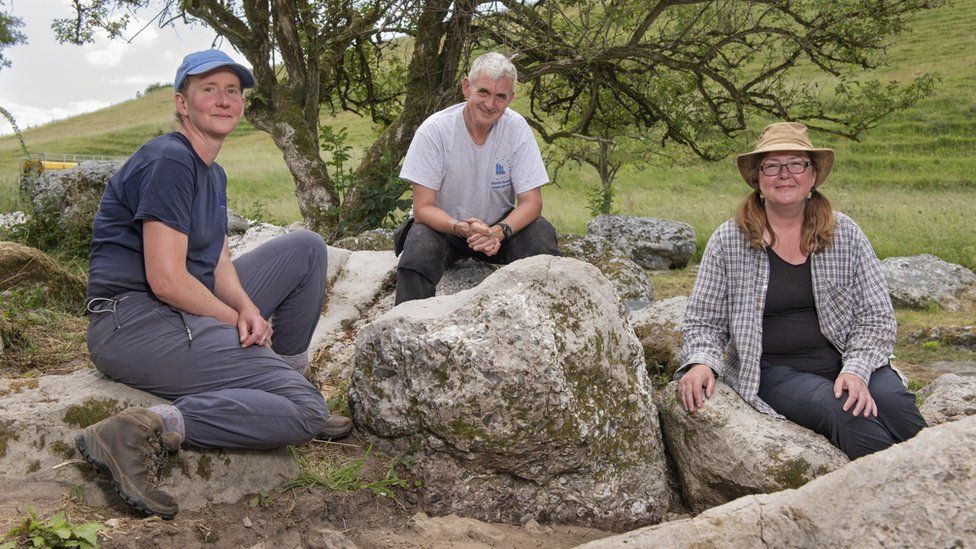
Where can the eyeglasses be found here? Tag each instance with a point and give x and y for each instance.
(795, 168)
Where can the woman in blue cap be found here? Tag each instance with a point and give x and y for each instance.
(174, 316)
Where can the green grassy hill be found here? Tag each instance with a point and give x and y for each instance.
(911, 184)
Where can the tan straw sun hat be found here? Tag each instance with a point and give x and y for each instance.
(784, 136)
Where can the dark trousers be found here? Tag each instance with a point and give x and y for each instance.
(808, 399)
(428, 253)
(230, 397)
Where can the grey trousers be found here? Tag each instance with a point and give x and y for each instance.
(428, 253)
(229, 397)
(808, 399)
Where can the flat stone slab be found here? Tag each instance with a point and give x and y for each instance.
(39, 419)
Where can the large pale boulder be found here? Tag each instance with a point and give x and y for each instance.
(652, 243)
(630, 280)
(921, 280)
(72, 196)
(920, 493)
(727, 449)
(948, 398)
(526, 398)
(39, 419)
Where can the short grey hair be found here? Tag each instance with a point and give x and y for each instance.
(495, 66)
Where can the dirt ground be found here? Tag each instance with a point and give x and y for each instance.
(315, 518)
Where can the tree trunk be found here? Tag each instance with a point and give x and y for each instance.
(299, 144)
(431, 86)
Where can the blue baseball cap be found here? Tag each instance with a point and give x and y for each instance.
(200, 62)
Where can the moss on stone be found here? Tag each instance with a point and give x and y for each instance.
(467, 432)
(174, 461)
(34, 466)
(791, 473)
(91, 411)
(7, 434)
(19, 385)
(63, 449)
(205, 467)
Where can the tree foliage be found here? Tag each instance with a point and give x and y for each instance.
(690, 74)
(667, 75)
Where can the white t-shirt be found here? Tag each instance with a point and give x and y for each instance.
(472, 180)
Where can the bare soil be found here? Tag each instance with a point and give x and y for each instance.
(305, 518)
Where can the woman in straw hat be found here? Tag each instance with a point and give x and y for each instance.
(790, 307)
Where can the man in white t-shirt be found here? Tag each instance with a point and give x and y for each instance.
(476, 173)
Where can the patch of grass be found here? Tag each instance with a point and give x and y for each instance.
(54, 531)
(345, 474)
(673, 283)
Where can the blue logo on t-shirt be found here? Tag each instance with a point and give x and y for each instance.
(499, 169)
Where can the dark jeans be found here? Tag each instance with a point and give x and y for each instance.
(428, 253)
(230, 397)
(808, 399)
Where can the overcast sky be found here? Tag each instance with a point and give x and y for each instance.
(47, 81)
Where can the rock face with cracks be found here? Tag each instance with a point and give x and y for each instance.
(652, 243)
(727, 449)
(921, 280)
(948, 398)
(526, 395)
(920, 493)
(39, 419)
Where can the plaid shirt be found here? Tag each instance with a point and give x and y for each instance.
(723, 322)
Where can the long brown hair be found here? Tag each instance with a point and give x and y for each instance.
(818, 222)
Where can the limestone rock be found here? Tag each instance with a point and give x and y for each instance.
(959, 336)
(373, 239)
(920, 493)
(728, 449)
(38, 422)
(236, 224)
(920, 280)
(652, 243)
(361, 280)
(72, 196)
(633, 285)
(464, 275)
(23, 267)
(658, 327)
(526, 396)
(948, 398)
(238, 245)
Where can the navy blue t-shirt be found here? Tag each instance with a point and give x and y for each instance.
(164, 181)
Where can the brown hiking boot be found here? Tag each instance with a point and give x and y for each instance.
(128, 448)
(336, 427)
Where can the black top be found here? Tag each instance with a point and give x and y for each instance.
(166, 181)
(791, 327)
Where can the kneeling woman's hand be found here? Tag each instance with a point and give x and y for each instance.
(858, 394)
(690, 386)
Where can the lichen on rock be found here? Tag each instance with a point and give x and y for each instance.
(527, 395)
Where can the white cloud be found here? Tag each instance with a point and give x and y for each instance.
(28, 116)
(110, 53)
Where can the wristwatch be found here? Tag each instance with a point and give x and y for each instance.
(506, 230)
